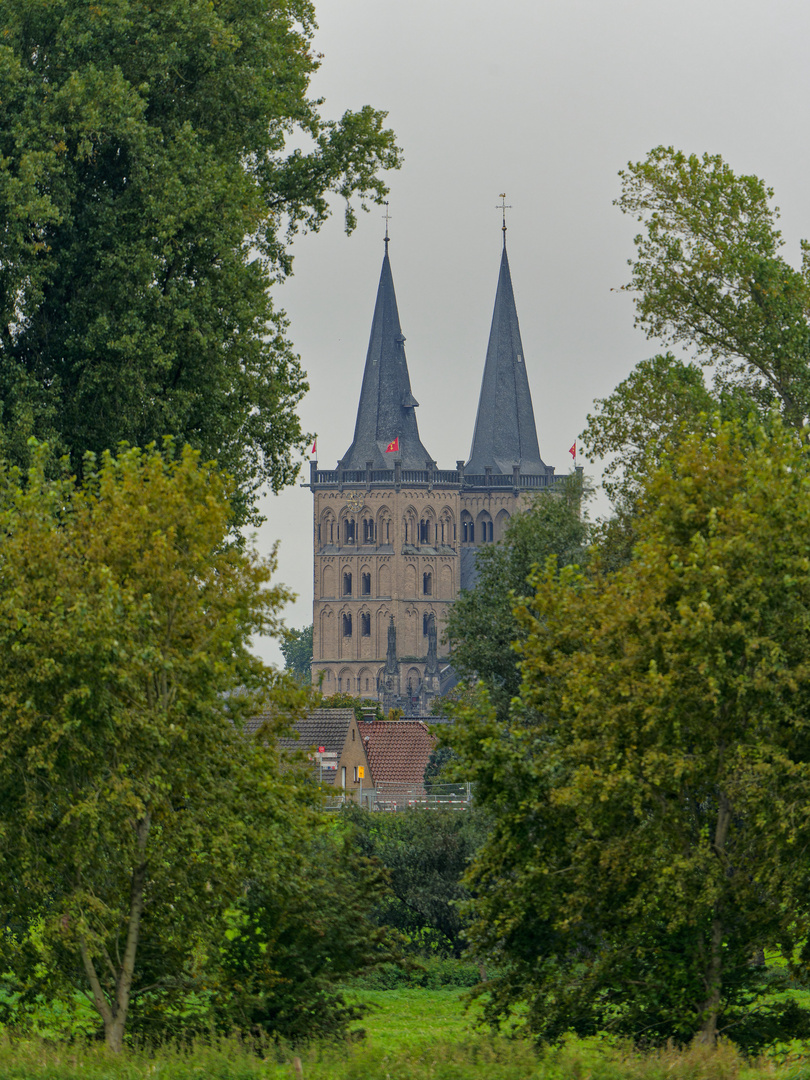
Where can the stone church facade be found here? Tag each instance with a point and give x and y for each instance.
(395, 537)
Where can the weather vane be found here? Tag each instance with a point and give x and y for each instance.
(503, 207)
(387, 218)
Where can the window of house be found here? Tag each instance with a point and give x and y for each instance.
(352, 734)
(365, 624)
(347, 584)
(365, 584)
(427, 584)
(347, 628)
(356, 773)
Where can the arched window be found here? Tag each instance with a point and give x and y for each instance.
(424, 532)
(425, 623)
(365, 624)
(347, 584)
(365, 584)
(349, 531)
(368, 530)
(427, 584)
(347, 625)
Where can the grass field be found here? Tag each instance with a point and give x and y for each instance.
(410, 1034)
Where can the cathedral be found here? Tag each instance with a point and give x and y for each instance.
(396, 537)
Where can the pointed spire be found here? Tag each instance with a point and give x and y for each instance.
(387, 407)
(505, 431)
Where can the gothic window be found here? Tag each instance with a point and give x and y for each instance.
(365, 584)
(366, 684)
(350, 533)
(427, 584)
(347, 625)
(347, 585)
(489, 530)
(468, 532)
(368, 530)
(425, 624)
(365, 625)
(424, 532)
(319, 536)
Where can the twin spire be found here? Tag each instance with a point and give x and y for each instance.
(505, 432)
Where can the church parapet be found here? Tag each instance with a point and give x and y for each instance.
(438, 478)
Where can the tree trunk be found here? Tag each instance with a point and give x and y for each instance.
(714, 971)
(114, 1012)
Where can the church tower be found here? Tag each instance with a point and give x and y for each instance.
(395, 537)
(385, 537)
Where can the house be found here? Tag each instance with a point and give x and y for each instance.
(332, 742)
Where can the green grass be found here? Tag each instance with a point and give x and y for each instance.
(408, 1018)
(411, 1034)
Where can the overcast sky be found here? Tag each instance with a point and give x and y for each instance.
(545, 100)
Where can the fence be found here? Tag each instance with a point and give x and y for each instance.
(393, 797)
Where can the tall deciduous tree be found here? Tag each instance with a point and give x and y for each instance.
(708, 275)
(130, 803)
(148, 197)
(481, 626)
(649, 798)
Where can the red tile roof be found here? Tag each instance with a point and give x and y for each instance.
(397, 750)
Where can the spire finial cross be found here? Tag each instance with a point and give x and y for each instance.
(386, 218)
(503, 206)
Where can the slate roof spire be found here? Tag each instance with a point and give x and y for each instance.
(505, 432)
(387, 406)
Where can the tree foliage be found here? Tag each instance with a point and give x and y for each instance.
(708, 276)
(649, 796)
(426, 853)
(302, 927)
(148, 196)
(296, 648)
(481, 626)
(131, 805)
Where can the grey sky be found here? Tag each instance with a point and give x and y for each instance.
(545, 100)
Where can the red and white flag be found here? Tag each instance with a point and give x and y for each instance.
(314, 451)
(573, 450)
(393, 446)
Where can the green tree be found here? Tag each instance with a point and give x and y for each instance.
(481, 627)
(426, 853)
(148, 195)
(708, 274)
(304, 924)
(296, 648)
(131, 805)
(648, 798)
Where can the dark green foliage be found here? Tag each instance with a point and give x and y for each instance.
(648, 793)
(301, 930)
(147, 202)
(481, 627)
(296, 648)
(426, 852)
